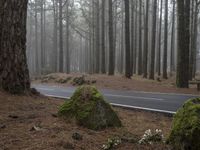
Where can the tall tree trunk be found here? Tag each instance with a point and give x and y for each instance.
(160, 40)
(42, 33)
(196, 13)
(172, 63)
(55, 36)
(146, 32)
(135, 39)
(61, 36)
(153, 44)
(111, 44)
(165, 41)
(14, 74)
(103, 57)
(36, 39)
(133, 59)
(67, 39)
(140, 40)
(97, 38)
(127, 40)
(182, 79)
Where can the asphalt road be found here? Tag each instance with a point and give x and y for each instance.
(159, 102)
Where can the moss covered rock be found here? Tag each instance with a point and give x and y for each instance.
(185, 134)
(88, 108)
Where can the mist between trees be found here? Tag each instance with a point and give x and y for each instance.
(114, 37)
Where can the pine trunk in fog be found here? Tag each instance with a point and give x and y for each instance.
(111, 41)
(172, 61)
(127, 40)
(42, 34)
(103, 57)
(97, 67)
(55, 36)
(193, 44)
(133, 53)
(153, 43)
(36, 39)
(67, 39)
(132, 36)
(140, 40)
(146, 32)
(14, 74)
(60, 37)
(121, 70)
(183, 11)
(160, 40)
(165, 41)
(135, 39)
(196, 13)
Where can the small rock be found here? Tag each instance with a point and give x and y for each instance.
(93, 81)
(2, 126)
(68, 146)
(77, 136)
(158, 79)
(35, 128)
(55, 115)
(34, 91)
(13, 116)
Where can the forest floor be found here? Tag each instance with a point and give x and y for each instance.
(116, 82)
(31, 123)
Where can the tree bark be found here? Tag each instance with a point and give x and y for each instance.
(14, 74)
(60, 37)
(103, 59)
(165, 41)
(111, 44)
(153, 46)
(183, 11)
(127, 40)
(145, 54)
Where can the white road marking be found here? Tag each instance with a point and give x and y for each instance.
(143, 108)
(123, 106)
(123, 96)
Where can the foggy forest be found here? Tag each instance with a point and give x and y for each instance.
(91, 37)
(99, 75)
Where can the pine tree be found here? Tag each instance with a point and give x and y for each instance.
(14, 74)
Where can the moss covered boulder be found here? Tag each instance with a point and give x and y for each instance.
(185, 134)
(88, 108)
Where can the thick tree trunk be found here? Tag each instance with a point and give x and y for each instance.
(146, 39)
(60, 37)
(67, 39)
(127, 40)
(55, 36)
(160, 40)
(165, 41)
(97, 27)
(36, 39)
(103, 57)
(172, 61)
(153, 44)
(111, 40)
(182, 79)
(140, 40)
(14, 74)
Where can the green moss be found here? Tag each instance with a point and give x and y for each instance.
(88, 108)
(185, 134)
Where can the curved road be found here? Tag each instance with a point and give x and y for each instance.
(158, 102)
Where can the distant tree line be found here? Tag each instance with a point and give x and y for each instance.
(149, 38)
